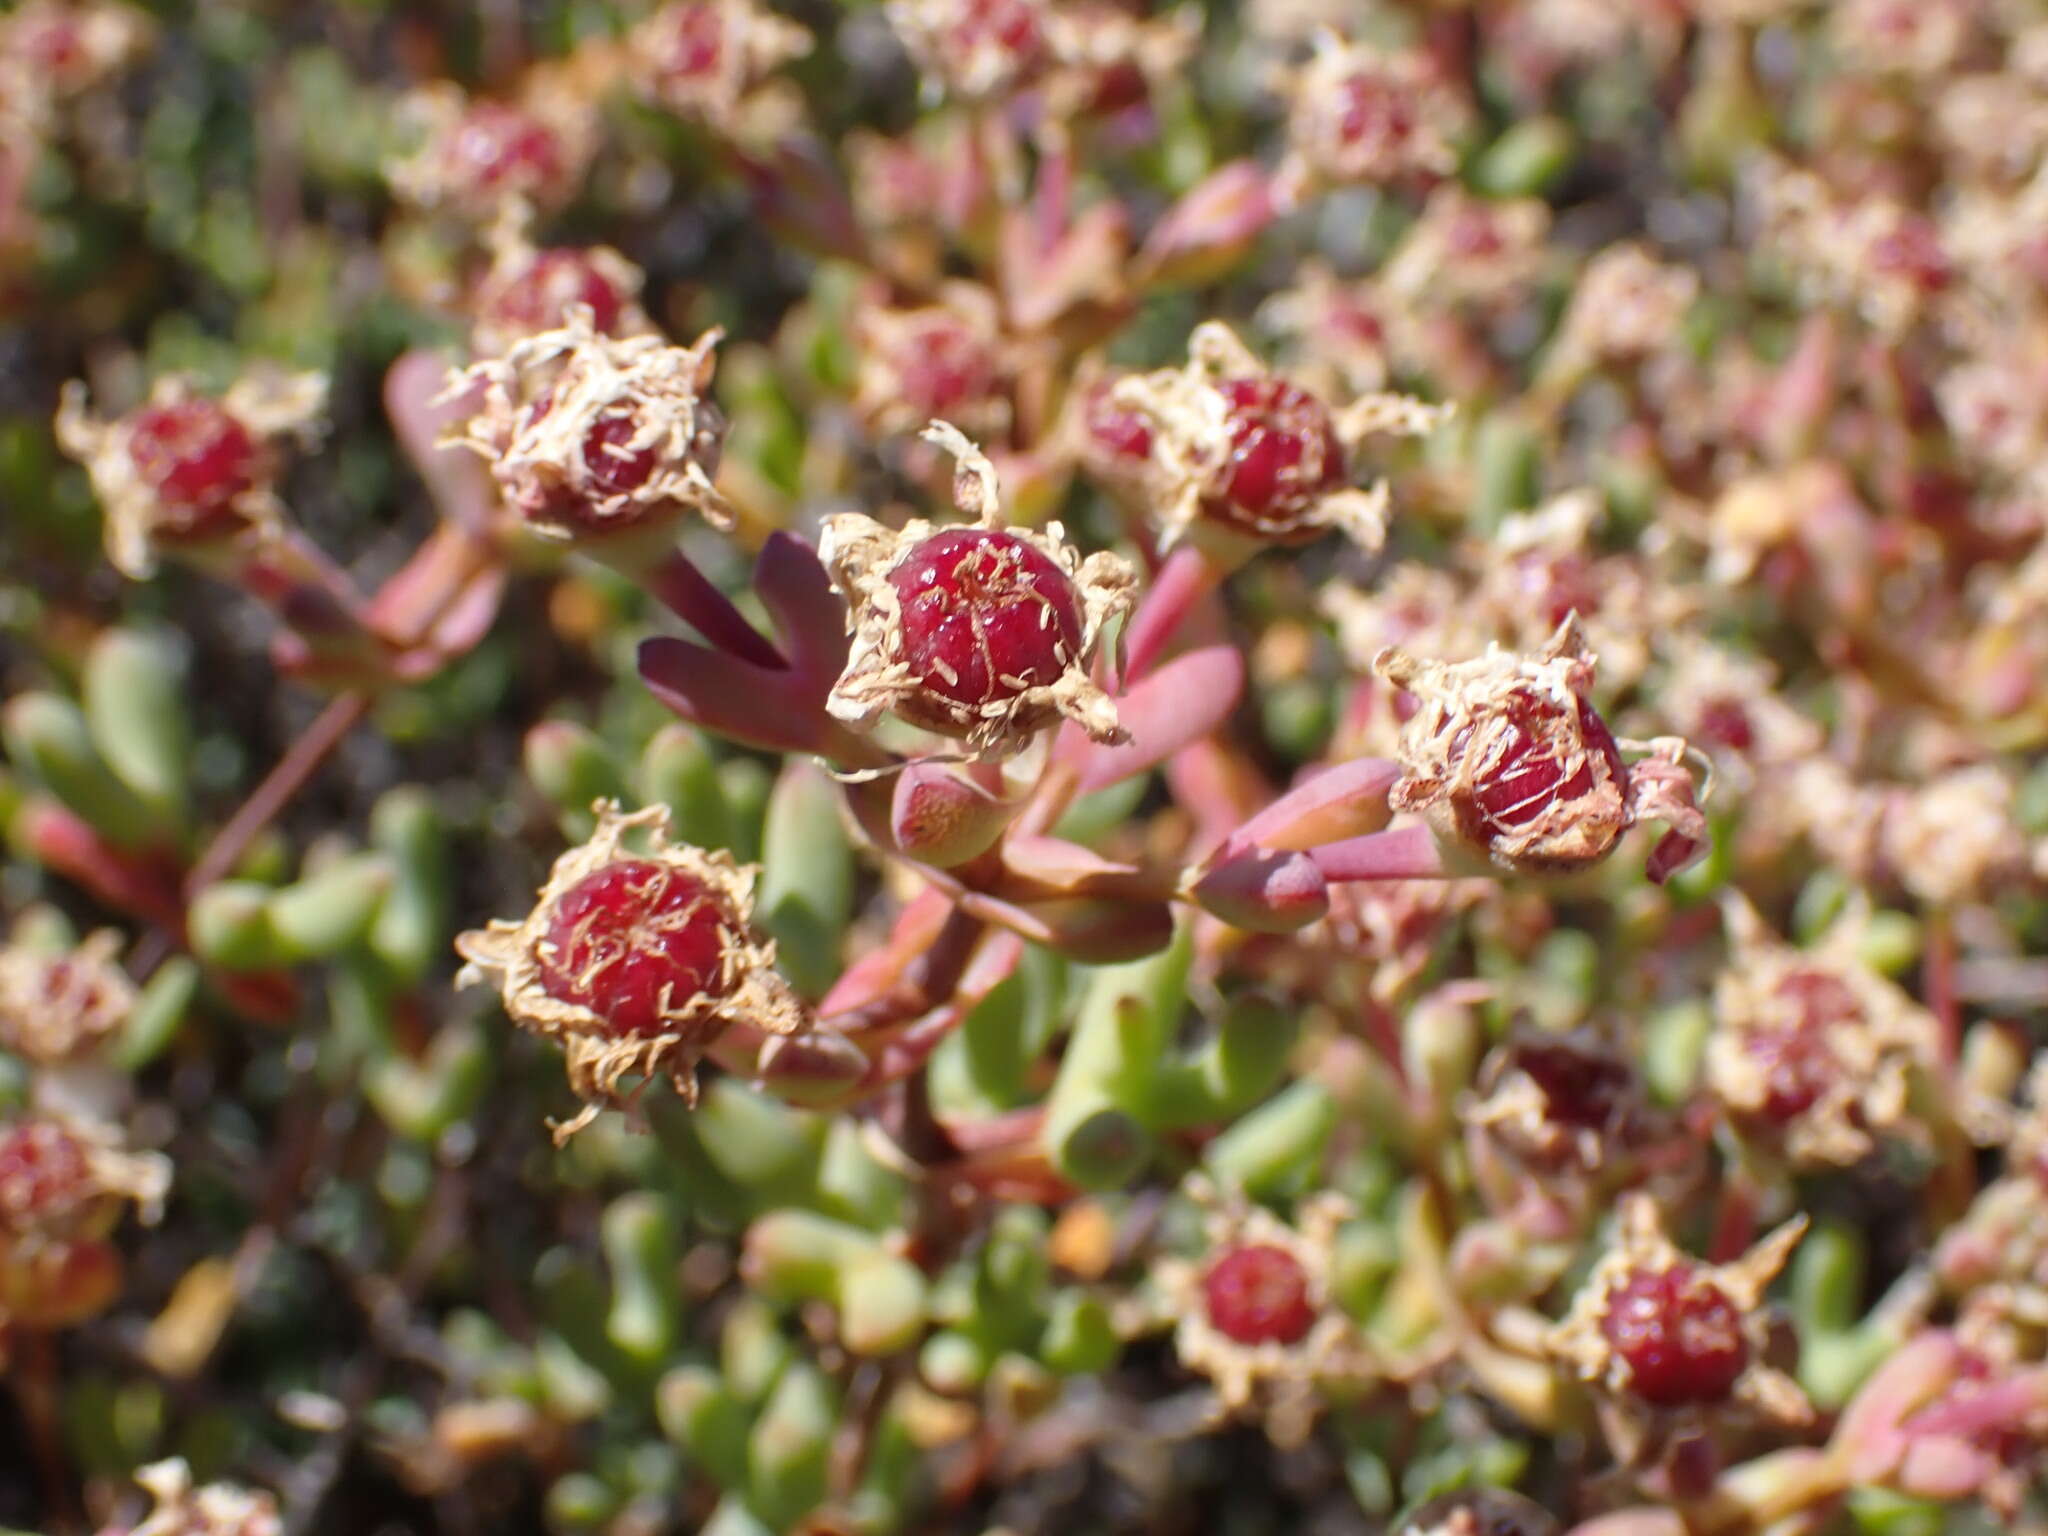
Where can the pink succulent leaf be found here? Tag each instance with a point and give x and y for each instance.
(456, 479)
(775, 711)
(1406, 853)
(1340, 801)
(1264, 892)
(1209, 230)
(1176, 706)
(1057, 864)
(799, 195)
(1187, 576)
(938, 816)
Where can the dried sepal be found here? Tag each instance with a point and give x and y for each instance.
(59, 1007)
(1019, 606)
(217, 1509)
(1694, 1347)
(1813, 1054)
(637, 956)
(589, 435)
(1284, 1379)
(1558, 1104)
(1508, 760)
(1244, 457)
(223, 505)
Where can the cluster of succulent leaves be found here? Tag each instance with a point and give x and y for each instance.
(382, 1292)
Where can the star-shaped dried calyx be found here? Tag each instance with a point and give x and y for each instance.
(708, 60)
(474, 156)
(1509, 761)
(60, 1007)
(1244, 457)
(591, 436)
(1813, 1054)
(1256, 1315)
(982, 633)
(638, 955)
(188, 474)
(1658, 1332)
(1558, 1102)
(1360, 114)
(64, 1180)
(217, 1509)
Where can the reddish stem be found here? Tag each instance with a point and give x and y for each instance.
(284, 780)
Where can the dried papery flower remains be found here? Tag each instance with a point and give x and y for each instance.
(60, 1007)
(63, 1184)
(976, 49)
(944, 361)
(1814, 1055)
(529, 290)
(1993, 1261)
(1865, 252)
(589, 435)
(1361, 114)
(473, 156)
(1256, 1314)
(981, 633)
(217, 1509)
(187, 474)
(64, 48)
(1244, 457)
(1657, 1332)
(1508, 760)
(637, 956)
(1558, 1104)
(707, 60)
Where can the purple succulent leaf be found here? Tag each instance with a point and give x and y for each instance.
(775, 711)
(809, 617)
(1406, 853)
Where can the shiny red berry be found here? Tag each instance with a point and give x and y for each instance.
(499, 148)
(1008, 25)
(985, 615)
(538, 299)
(634, 943)
(198, 459)
(45, 1174)
(1526, 779)
(1679, 1335)
(1258, 1294)
(1284, 456)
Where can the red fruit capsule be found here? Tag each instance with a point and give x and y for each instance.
(46, 1176)
(198, 459)
(1580, 1087)
(1679, 1335)
(497, 147)
(985, 616)
(1259, 1294)
(539, 296)
(1284, 456)
(633, 943)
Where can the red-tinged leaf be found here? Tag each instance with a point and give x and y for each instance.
(1058, 865)
(1181, 703)
(1406, 853)
(808, 615)
(876, 974)
(455, 477)
(1265, 892)
(775, 711)
(1340, 801)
